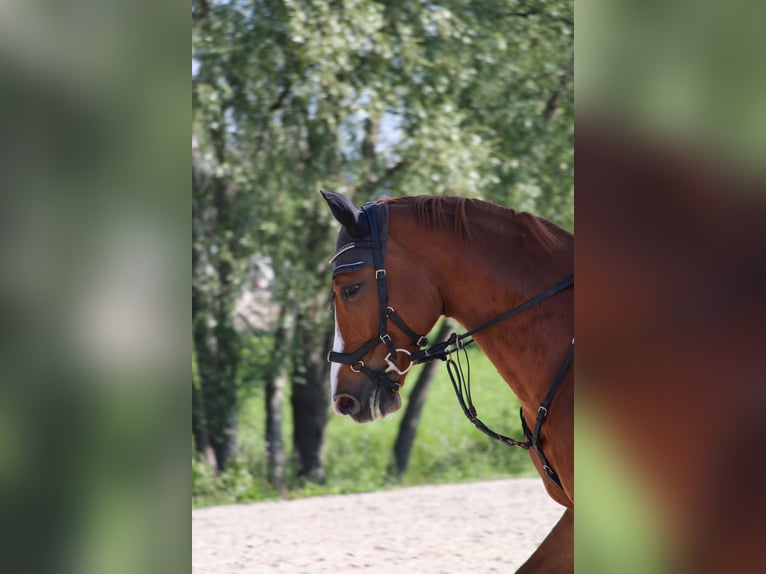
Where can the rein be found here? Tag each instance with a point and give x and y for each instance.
(461, 380)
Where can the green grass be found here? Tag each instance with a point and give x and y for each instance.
(447, 448)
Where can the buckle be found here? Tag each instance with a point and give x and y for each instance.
(359, 370)
(379, 272)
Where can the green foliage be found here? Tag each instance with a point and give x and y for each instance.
(394, 98)
(448, 448)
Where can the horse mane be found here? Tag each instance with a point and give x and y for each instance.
(450, 214)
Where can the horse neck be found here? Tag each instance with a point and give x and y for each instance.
(501, 265)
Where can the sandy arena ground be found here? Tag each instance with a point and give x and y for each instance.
(478, 527)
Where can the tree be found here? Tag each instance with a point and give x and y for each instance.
(370, 98)
(405, 438)
(215, 286)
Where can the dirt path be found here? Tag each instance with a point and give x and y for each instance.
(479, 527)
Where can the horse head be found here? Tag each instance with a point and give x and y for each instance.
(384, 301)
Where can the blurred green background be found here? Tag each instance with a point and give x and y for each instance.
(684, 72)
(681, 78)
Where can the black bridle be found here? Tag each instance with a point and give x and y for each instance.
(354, 359)
(443, 350)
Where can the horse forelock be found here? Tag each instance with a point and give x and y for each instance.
(451, 214)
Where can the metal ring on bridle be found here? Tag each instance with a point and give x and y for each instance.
(393, 367)
(359, 370)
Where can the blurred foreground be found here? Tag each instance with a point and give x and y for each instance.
(671, 229)
(94, 220)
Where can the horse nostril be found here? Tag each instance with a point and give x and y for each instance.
(347, 405)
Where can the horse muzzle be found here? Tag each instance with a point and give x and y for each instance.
(367, 401)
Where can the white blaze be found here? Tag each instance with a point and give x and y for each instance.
(337, 346)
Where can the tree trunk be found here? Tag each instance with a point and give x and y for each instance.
(310, 397)
(216, 351)
(217, 354)
(199, 429)
(417, 399)
(275, 449)
(216, 343)
(225, 441)
(311, 342)
(275, 391)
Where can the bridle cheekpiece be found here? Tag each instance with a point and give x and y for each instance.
(354, 359)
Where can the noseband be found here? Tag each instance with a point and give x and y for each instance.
(354, 359)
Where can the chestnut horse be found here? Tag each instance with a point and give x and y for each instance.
(506, 276)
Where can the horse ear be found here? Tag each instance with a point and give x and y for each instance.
(352, 219)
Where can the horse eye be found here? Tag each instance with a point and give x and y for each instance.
(351, 291)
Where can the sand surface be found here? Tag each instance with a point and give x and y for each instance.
(477, 527)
